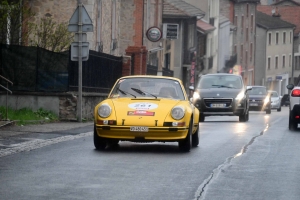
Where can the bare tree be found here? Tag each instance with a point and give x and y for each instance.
(51, 35)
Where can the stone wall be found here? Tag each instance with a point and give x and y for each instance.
(64, 105)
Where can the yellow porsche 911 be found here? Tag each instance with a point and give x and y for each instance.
(146, 109)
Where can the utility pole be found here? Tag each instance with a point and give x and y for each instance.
(80, 23)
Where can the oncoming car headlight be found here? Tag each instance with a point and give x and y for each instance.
(178, 112)
(104, 110)
(240, 96)
(196, 96)
(266, 100)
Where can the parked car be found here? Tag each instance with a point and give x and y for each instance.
(221, 94)
(275, 100)
(146, 109)
(294, 108)
(285, 100)
(259, 99)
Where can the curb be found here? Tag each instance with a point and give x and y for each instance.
(6, 123)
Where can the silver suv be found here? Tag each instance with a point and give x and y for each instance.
(294, 116)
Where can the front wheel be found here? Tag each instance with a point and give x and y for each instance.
(279, 109)
(99, 142)
(185, 145)
(244, 117)
(201, 118)
(195, 138)
(268, 111)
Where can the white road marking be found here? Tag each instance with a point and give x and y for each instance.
(39, 143)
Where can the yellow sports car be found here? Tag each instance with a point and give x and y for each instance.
(146, 109)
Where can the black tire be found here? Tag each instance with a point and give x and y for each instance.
(201, 118)
(268, 111)
(244, 117)
(292, 125)
(99, 142)
(186, 144)
(279, 109)
(195, 138)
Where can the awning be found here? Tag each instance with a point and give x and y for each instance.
(204, 27)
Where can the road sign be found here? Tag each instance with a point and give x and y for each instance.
(75, 51)
(87, 24)
(84, 37)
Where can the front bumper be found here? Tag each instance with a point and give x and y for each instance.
(153, 134)
(275, 105)
(224, 106)
(259, 106)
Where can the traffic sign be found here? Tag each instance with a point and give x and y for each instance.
(75, 51)
(87, 24)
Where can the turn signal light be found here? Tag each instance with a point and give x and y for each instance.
(296, 93)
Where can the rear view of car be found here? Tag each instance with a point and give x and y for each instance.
(259, 99)
(294, 109)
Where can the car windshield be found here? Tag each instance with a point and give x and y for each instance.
(220, 81)
(147, 87)
(273, 94)
(258, 91)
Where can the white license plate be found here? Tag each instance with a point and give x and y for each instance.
(139, 128)
(218, 105)
(253, 104)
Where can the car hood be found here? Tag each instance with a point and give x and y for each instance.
(274, 98)
(142, 111)
(219, 93)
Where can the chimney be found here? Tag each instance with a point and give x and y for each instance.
(275, 12)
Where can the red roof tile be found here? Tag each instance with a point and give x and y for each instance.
(204, 27)
(289, 14)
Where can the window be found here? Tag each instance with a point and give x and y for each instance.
(242, 51)
(251, 49)
(247, 9)
(277, 38)
(269, 63)
(290, 60)
(242, 23)
(235, 20)
(290, 37)
(283, 61)
(252, 23)
(283, 37)
(270, 38)
(247, 34)
(276, 62)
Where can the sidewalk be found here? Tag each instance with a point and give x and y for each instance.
(8, 128)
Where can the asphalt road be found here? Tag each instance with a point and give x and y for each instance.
(253, 160)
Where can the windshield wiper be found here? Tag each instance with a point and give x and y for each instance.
(142, 92)
(220, 86)
(125, 93)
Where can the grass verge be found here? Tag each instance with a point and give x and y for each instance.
(27, 116)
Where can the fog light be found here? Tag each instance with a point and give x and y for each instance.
(105, 122)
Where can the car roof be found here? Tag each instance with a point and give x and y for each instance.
(257, 86)
(151, 76)
(217, 74)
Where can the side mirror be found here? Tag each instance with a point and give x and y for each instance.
(290, 86)
(192, 88)
(248, 88)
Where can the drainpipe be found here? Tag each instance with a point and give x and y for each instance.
(141, 61)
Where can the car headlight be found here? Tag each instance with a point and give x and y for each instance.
(178, 112)
(196, 96)
(104, 110)
(240, 96)
(266, 100)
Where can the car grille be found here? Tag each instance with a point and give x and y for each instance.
(208, 102)
(256, 100)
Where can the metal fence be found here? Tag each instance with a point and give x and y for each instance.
(38, 70)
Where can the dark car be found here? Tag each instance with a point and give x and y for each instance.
(285, 100)
(221, 94)
(259, 99)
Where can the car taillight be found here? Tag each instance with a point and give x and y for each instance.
(296, 93)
